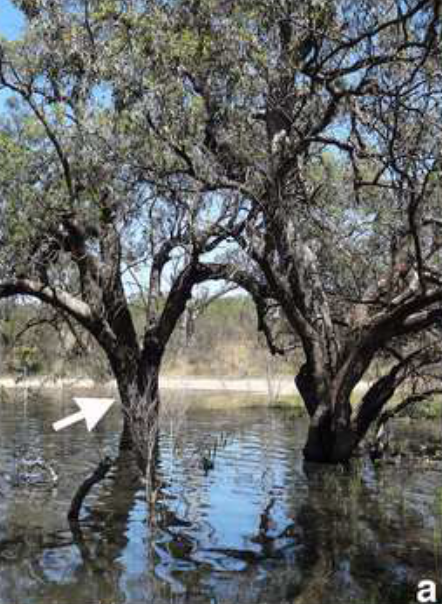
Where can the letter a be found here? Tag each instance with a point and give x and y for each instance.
(426, 592)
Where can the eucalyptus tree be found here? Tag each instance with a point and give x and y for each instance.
(97, 205)
(273, 90)
(354, 261)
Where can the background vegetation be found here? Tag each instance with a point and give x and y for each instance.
(218, 339)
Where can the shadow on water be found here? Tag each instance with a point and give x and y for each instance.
(237, 518)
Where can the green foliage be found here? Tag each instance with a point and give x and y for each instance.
(26, 359)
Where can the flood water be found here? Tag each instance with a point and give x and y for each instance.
(238, 517)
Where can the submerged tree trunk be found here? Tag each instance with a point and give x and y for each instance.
(330, 440)
(137, 377)
(140, 405)
(140, 401)
(328, 443)
(336, 427)
(137, 369)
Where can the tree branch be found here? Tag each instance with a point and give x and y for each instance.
(50, 295)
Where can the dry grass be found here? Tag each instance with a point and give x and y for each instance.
(234, 359)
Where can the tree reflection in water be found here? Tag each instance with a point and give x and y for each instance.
(258, 527)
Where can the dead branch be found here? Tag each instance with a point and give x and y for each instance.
(99, 473)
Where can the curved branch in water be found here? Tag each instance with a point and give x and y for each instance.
(99, 473)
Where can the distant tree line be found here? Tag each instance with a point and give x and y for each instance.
(215, 339)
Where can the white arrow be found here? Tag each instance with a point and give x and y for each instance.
(91, 410)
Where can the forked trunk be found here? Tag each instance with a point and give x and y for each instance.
(336, 429)
(331, 435)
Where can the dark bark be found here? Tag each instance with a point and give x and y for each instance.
(319, 442)
(374, 402)
(99, 473)
(126, 443)
(139, 394)
(304, 382)
(330, 438)
(332, 435)
(336, 429)
(328, 443)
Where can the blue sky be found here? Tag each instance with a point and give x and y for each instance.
(10, 20)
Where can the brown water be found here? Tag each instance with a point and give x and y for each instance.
(257, 527)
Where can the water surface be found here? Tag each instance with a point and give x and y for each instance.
(259, 526)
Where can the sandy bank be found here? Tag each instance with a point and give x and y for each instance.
(277, 386)
(272, 388)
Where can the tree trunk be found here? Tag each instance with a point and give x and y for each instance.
(141, 406)
(328, 444)
(331, 436)
(137, 383)
(336, 429)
